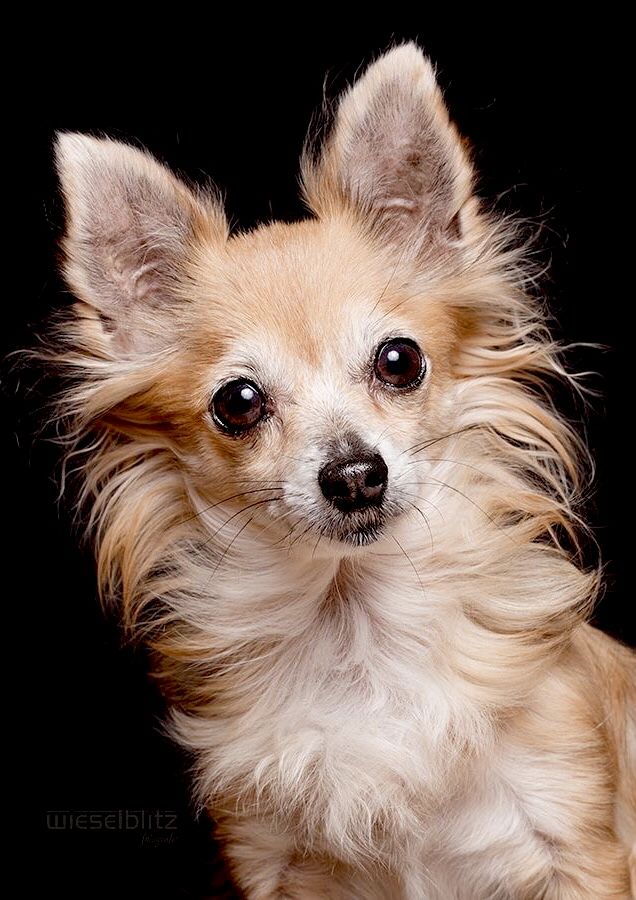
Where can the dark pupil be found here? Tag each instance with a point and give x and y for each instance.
(399, 364)
(238, 405)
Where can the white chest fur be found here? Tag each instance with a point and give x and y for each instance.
(347, 720)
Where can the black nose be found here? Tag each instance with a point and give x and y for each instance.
(355, 481)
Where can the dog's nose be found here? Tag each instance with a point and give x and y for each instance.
(355, 481)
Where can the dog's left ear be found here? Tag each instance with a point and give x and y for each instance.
(394, 157)
(131, 227)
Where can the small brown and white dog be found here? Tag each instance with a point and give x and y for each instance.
(328, 488)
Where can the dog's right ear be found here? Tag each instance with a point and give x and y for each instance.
(130, 227)
(393, 159)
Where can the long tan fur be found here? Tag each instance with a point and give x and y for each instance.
(424, 716)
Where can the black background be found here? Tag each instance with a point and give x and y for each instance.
(538, 103)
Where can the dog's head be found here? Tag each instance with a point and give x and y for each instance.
(293, 370)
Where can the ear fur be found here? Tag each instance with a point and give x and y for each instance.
(129, 226)
(393, 155)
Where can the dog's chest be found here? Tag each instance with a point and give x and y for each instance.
(393, 780)
(358, 739)
(362, 739)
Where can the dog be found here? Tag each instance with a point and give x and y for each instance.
(329, 492)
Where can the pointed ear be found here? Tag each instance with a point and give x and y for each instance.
(393, 156)
(130, 224)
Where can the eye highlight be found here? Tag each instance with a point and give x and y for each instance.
(238, 406)
(399, 363)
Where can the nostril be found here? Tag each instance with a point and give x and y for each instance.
(376, 477)
(333, 482)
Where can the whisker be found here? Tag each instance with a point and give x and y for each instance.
(289, 534)
(320, 537)
(458, 462)
(456, 490)
(300, 536)
(380, 436)
(257, 481)
(423, 499)
(280, 518)
(297, 459)
(224, 500)
(238, 513)
(410, 561)
(426, 522)
(388, 284)
(417, 448)
(229, 546)
(395, 307)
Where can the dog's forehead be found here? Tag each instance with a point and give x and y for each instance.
(336, 247)
(307, 279)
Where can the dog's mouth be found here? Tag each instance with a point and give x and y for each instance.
(358, 529)
(360, 537)
(352, 528)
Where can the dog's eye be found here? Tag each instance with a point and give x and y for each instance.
(400, 363)
(238, 406)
